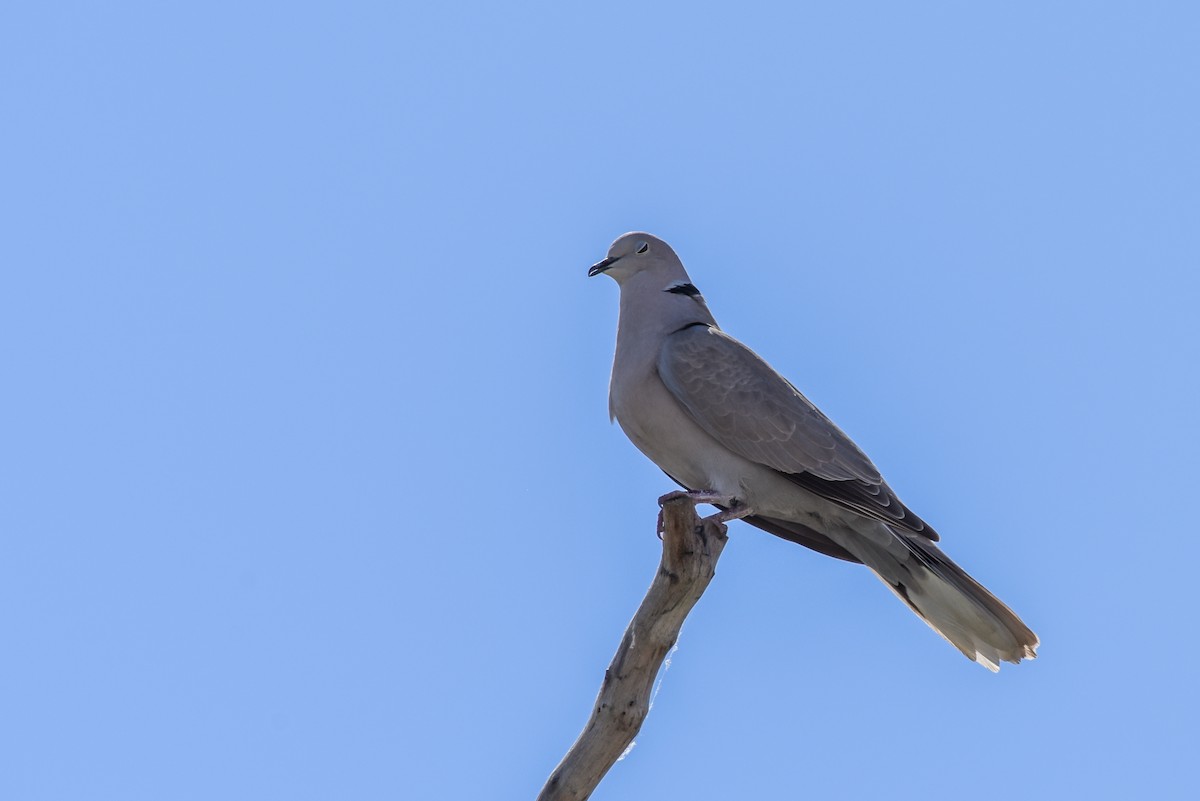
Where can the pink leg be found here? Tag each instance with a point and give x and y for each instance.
(734, 509)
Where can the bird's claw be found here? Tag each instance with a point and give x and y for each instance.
(697, 496)
(733, 508)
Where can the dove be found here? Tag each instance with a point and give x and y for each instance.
(734, 433)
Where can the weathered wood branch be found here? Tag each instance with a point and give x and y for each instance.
(691, 548)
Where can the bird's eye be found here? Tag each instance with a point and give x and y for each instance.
(644, 247)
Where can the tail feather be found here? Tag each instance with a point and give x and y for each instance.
(954, 605)
(962, 610)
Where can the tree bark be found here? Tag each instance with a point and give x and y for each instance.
(691, 548)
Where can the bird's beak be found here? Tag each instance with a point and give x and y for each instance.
(601, 266)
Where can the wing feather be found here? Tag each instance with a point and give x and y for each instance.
(734, 395)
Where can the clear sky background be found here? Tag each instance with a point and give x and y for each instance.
(308, 486)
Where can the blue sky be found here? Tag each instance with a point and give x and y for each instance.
(308, 485)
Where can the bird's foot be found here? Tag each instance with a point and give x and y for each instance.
(697, 496)
(736, 510)
(733, 508)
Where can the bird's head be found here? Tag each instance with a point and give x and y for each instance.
(654, 285)
(640, 254)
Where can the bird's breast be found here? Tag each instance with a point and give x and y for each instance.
(661, 429)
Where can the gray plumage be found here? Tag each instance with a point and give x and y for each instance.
(718, 419)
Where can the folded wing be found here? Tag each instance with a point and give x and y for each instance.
(753, 411)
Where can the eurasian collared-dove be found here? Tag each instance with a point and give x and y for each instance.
(725, 426)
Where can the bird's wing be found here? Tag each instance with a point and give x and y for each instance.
(753, 411)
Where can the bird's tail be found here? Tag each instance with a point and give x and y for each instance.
(955, 605)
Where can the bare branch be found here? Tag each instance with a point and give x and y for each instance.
(691, 548)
